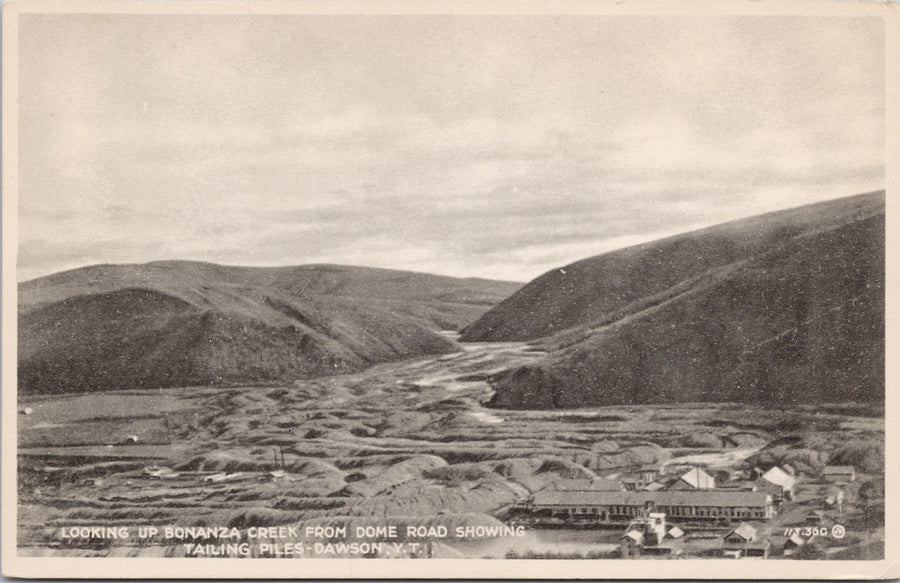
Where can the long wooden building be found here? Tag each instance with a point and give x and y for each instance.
(611, 506)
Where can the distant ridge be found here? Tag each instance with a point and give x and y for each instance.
(786, 306)
(176, 323)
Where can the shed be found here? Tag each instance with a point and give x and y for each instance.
(778, 483)
(743, 534)
(745, 541)
(839, 474)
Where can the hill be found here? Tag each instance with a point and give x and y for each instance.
(786, 306)
(178, 323)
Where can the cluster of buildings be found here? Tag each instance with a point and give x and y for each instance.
(654, 506)
(652, 534)
(689, 496)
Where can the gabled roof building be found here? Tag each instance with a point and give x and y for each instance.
(778, 483)
(744, 541)
(694, 479)
(686, 505)
(744, 533)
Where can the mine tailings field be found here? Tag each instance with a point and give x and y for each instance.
(406, 441)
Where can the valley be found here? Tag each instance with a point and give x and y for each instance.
(716, 393)
(404, 443)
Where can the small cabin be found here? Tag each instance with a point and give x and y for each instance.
(778, 483)
(839, 474)
(745, 541)
(743, 534)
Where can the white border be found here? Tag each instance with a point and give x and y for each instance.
(62, 567)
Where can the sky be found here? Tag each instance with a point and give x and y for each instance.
(484, 146)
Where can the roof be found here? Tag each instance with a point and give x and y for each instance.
(701, 498)
(834, 497)
(745, 530)
(654, 486)
(797, 540)
(587, 484)
(699, 479)
(675, 532)
(839, 470)
(635, 535)
(779, 477)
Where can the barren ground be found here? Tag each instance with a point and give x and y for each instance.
(410, 440)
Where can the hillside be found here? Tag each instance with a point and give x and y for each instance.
(178, 323)
(444, 302)
(787, 306)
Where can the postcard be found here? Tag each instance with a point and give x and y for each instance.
(498, 289)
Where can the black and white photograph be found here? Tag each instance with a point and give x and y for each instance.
(536, 289)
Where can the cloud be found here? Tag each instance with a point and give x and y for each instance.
(470, 146)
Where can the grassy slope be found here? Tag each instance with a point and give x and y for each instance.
(385, 286)
(610, 286)
(787, 307)
(177, 323)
